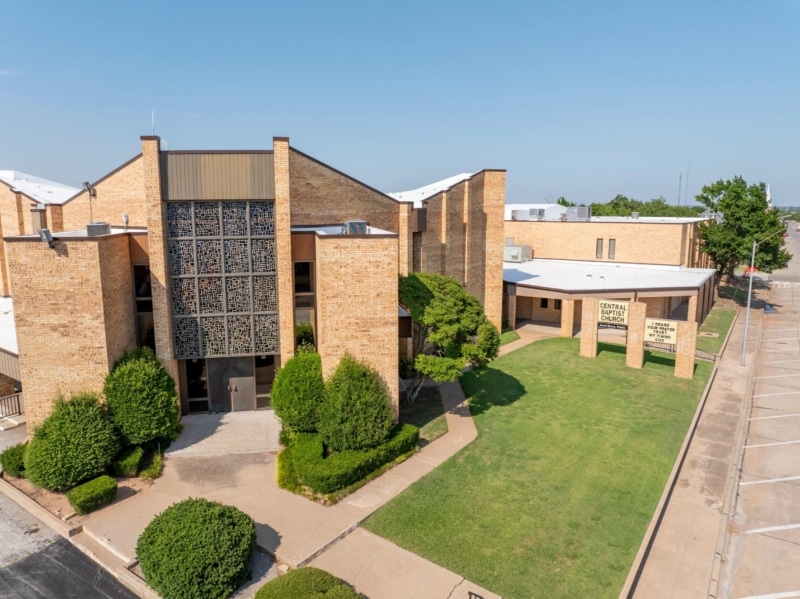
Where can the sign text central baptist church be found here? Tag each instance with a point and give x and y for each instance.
(611, 312)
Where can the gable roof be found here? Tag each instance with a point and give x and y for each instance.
(39, 190)
(417, 196)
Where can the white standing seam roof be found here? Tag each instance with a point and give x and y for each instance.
(417, 196)
(8, 332)
(574, 275)
(41, 190)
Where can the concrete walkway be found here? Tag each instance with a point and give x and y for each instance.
(293, 529)
(683, 557)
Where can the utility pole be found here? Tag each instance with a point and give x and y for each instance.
(680, 178)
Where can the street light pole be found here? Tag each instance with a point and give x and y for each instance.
(750, 292)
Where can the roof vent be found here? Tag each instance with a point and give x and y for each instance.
(355, 227)
(97, 229)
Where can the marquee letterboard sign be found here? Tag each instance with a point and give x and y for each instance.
(661, 331)
(614, 313)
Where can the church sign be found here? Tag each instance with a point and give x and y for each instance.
(613, 313)
(661, 331)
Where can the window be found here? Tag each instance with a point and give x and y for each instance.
(599, 251)
(557, 304)
(612, 248)
(543, 302)
(303, 280)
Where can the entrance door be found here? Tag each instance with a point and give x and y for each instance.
(231, 384)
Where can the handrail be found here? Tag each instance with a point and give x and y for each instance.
(11, 405)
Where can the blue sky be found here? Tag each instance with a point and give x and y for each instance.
(580, 99)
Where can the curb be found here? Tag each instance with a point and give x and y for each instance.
(57, 524)
(640, 561)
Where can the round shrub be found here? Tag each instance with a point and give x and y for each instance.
(357, 412)
(197, 548)
(306, 583)
(13, 460)
(141, 399)
(75, 443)
(298, 392)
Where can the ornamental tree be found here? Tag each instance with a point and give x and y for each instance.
(449, 329)
(746, 217)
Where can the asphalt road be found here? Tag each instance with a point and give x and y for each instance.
(36, 563)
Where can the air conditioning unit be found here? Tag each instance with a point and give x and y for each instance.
(527, 214)
(634, 215)
(356, 227)
(97, 229)
(579, 213)
(517, 253)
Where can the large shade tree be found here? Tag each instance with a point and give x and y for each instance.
(746, 217)
(450, 330)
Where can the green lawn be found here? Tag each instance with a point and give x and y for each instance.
(508, 337)
(554, 496)
(718, 321)
(426, 413)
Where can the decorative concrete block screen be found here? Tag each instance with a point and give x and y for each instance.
(223, 281)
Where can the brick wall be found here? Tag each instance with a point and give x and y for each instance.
(122, 191)
(636, 242)
(357, 301)
(6, 386)
(284, 204)
(70, 317)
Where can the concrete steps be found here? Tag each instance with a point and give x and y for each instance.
(12, 422)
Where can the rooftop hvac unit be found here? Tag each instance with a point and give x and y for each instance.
(97, 229)
(517, 253)
(579, 213)
(356, 227)
(634, 215)
(527, 214)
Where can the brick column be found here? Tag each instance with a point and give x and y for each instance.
(405, 240)
(687, 343)
(634, 354)
(567, 317)
(589, 327)
(511, 311)
(283, 242)
(162, 319)
(691, 313)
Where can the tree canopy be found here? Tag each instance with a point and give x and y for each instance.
(624, 206)
(746, 218)
(450, 330)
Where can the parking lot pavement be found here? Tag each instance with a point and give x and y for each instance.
(762, 555)
(36, 563)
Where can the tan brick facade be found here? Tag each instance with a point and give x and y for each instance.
(637, 242)
(283, 240)
(357, 300)
(73, 318)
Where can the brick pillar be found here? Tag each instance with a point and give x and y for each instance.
(567, 317)
(283, 241)
(511, 311)
(589, 327)
(687, 343)
(634, 354)
(691, 314)
(405, 241)
(156, 239)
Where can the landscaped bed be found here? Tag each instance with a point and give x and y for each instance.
(554, 496)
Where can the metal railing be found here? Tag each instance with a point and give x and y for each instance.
(669, 348)
(11, 405)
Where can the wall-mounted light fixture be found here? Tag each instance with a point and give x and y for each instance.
(47, 237)
(89, 188)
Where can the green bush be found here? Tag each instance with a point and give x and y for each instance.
(155, 468)
(13, 460)
(337, 471)
(141, 399)
(298, 392)
(357, 412)
(138, 353)
(197, 548)
(75, 443)
(96, 493)
(306, 583)
(303, 334)
(127, 464)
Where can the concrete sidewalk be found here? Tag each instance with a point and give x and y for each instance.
(681, 560)
(296, 530)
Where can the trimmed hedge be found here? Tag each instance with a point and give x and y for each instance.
(96, 493)
(306, 583)
(13, 460)
(197, 548)
(340, 470)
(298, 391)
(141, 399)
(357, 411)
(75, 443)
(127, 464)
